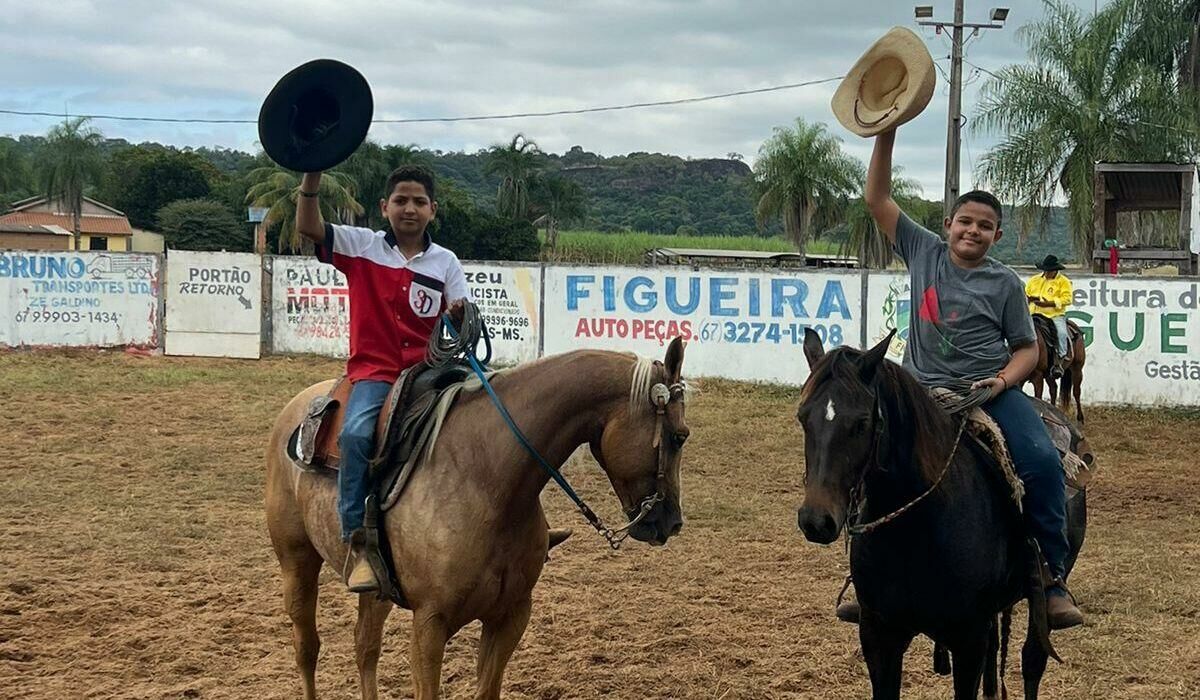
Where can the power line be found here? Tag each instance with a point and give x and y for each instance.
(420, 120)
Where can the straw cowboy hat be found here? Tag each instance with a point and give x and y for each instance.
(889, 85)
(316, 116)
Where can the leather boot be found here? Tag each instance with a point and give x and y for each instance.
(1061, 610)
(360, 577)
(848, 611)
(1056, 368)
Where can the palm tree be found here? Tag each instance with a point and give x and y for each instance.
(516, 164)
(803, 177)
(864, 238)
(1080, 99)
(69, 162)
(562, 200)
(276, 189)
(1164, 34)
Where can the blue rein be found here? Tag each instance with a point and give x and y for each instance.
(614, 538)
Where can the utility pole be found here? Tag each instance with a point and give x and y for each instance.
(954, 123)
(924, 14)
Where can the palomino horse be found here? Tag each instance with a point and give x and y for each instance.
(946, 566)
(468, 534)
(1072, 378)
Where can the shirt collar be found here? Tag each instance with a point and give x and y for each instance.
(426, 241)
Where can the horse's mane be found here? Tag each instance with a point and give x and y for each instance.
(639, 386)
(907, 406)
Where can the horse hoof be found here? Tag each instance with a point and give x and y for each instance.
(558, 536)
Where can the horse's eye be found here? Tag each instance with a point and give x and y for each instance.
(680, 437)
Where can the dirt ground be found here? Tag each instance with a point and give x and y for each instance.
(134, 560)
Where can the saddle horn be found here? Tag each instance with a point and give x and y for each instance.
(316, 116)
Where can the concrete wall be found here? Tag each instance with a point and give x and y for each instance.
(1142, 334)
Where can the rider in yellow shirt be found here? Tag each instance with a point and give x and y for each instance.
(1049, 295)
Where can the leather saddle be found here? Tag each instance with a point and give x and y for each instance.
(1049, 333)
(314, 443)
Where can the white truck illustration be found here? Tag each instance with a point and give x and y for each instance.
(133, 266)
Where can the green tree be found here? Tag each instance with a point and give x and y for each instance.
(1164, 34)
(804, 178)
(368, 169)
(142, 180)
(561, 201)
(68, 164)
(14, 174)
(202, 224)
(276, 190)
(1081, 98)
(516, 164)
(864, 239)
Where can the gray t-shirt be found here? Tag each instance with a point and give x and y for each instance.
(962, 321)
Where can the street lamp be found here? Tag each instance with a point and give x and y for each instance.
(924, 11)
(999, 14)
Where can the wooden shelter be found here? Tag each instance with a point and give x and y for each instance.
(1147, 187)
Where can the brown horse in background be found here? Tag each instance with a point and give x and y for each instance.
(1072, 378)
(468, 534)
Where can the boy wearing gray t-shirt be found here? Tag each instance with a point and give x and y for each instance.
(970, 321)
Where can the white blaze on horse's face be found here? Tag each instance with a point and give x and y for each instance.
(830, 413)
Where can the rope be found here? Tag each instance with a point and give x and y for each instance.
(448, 345)
(960, 397)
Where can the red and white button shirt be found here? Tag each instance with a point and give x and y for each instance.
(394, 301)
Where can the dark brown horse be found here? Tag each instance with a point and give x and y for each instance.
(948, 565)
(1072, 379)
(468, 534)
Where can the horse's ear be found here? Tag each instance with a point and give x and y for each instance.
(872, 358)
(674, 359)
(813, 350)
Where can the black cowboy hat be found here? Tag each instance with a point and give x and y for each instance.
(1050, 264)
(315, 116)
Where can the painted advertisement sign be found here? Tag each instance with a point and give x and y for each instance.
(213, 304)
(1142, 335)
(78, 299)
(310, 308)
(508, 299)
(740, 325)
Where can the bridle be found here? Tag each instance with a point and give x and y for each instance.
(879, 427)
(661, 395)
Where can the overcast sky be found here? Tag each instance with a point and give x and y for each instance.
(217, 59)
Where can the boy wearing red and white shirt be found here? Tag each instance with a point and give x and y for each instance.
(400, 282)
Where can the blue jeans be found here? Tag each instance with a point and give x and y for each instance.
(357, 444)
(1040, 467)
(1064, 335)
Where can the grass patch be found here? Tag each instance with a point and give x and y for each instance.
(629, 248)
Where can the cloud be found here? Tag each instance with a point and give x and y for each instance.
(219, 58)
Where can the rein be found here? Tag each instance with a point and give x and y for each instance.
(956, 404)
(660, 396)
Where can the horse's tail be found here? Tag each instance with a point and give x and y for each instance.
(1005, 633)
